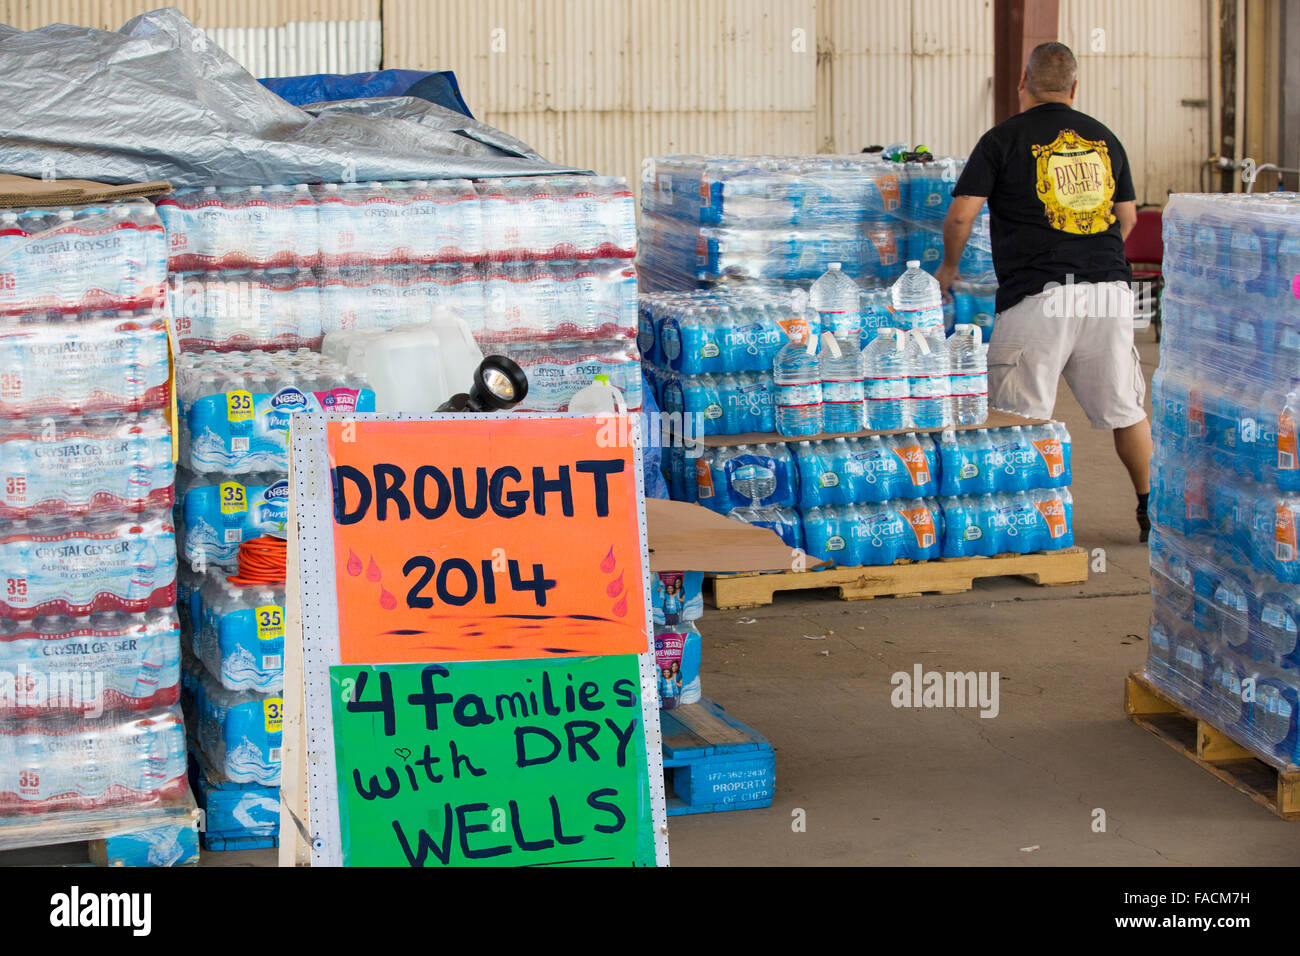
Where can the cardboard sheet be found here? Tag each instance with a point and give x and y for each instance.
(22, 191)
(686, 537)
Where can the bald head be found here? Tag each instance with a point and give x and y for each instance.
(1051, 72)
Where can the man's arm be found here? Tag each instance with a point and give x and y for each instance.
(956, 231)
(1127, 213)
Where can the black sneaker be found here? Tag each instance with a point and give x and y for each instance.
(1144, 525)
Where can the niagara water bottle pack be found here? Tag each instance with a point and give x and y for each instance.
(707, 219)
(1225, 568)
(876, 499)
(235, 406)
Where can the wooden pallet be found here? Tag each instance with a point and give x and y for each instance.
(947, 576)
(713, 762)
(159, 836)
(1271, 784)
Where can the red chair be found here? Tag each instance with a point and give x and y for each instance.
(1145, 251)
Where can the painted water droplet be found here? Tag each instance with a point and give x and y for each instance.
(386, 600)
(615, 587)
(354, 563)
(607, 563)
(620, 606)
(373, 573)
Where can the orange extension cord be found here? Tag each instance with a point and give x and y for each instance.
(261, 561)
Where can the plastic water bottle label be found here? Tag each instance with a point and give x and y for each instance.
(794, 396)
(239, 406)
(234, 499)
(1286, 443)
(913, 458)
(704, 479)
(921, 521)
(273, 715)
(1284, 534)
(1053, 512)
(270, 622)
(1049, 450)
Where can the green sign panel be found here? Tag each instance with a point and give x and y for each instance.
(502, 763)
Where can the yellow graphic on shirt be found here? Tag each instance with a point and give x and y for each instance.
(1075, 183)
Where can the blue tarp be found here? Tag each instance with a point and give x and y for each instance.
(439, 87)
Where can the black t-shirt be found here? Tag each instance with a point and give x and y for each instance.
(1051, 176)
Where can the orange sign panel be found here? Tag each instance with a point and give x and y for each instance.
(474, 539)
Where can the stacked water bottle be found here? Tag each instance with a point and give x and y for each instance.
(538, 267)
(881, 498)
(1225, 568)
(90, 729)
(707, 219)
(235, 412)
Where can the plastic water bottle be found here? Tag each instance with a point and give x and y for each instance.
(970, 376)
(926, 360)
(797, 374)
(918, 303)
(835, 297)
(842, 383)
(886, 383)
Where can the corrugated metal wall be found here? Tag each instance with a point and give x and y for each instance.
(1143, 67)
(111, 14)
(604, 83)
(304, 47)
(917, 71)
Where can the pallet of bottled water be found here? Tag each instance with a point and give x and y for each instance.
(713, 218)
(882, 498)
(89, 637)
(522, 259)
(235, 406)
(1225, 569)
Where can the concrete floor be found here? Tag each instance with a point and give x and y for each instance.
(880, 785)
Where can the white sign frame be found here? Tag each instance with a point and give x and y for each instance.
(310, 823)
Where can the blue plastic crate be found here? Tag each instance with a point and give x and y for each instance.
(713, 762)
(240, 816)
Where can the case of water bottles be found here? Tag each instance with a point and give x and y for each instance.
(239, 732)
(877, 499)
(1225, 569)
(239, 636)
(220, 512)
(235, 406)
(713, 218)
(90, 729)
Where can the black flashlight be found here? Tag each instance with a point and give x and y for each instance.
(499, 385)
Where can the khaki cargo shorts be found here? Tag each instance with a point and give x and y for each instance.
(1084, 331)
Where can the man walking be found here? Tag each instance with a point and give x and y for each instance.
(1061, 203)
